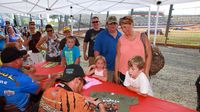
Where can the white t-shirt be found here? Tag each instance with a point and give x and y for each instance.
(141, 83)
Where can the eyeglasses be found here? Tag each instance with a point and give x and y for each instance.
(49, 30)
(95, 21)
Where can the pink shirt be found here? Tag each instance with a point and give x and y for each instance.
(129, 49)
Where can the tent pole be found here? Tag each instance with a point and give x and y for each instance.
(149, 23)
(41, 21)
(107, 17)
(132, 11)
(66, 19)
(15, 20)
(156, 24)
(79, 24)
(90, 20)
(30, 17)
(71, 17)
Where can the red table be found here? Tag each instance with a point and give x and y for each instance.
(45, 71)
(146, 104)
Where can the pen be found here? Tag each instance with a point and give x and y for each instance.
(96, 99)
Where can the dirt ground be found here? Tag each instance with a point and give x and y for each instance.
(176, 81)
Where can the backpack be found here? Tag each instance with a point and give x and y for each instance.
(158, 60)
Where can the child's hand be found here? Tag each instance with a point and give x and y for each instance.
(92, 66)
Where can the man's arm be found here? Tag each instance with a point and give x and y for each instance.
(97, 45)
(96, 53)
(84, 50)
(116, 77)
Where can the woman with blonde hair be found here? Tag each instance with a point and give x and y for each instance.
(98, 70)
(130, 45)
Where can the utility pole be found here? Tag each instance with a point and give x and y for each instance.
(168, 23)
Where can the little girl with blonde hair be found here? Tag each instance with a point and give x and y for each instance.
(98, 70)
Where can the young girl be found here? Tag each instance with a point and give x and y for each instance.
(98, 70)
(135, 79)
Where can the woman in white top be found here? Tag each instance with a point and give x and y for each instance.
(98, 70)
(135, 79)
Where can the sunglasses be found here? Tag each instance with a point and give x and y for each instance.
(49, 30)
(95, 21)
(114, 23)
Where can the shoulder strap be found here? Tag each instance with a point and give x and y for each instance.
(142, 37)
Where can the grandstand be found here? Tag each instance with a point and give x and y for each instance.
(142, 21)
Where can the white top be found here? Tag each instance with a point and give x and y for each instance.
(98, 73)
(141, 83)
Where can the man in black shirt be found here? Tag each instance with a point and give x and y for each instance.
(90, 37)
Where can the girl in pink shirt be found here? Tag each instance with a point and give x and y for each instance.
(98, 70)
(130, 45)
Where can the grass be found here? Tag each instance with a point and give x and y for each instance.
(184, 37)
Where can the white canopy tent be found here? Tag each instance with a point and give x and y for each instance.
(67, 7)
(79, 6)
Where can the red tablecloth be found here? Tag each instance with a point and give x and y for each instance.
(146, 104)
(45, 71)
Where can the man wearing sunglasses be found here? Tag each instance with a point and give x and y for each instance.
(105, 44)
(90, 38)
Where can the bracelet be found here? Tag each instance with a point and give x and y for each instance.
(49, 76)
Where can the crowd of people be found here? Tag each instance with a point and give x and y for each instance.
(111, 55)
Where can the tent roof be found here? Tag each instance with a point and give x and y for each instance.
(76, 6)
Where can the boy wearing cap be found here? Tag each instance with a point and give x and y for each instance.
(70, 53)
(105, 44)
(16, 86)
(67, 33)
(90, 38)
(66, 95)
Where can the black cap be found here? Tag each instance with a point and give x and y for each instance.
(10, 54)
(71, 72)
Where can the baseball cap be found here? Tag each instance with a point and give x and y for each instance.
(66, 28)
(71, 72)
(112, 19)
(10, 54)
